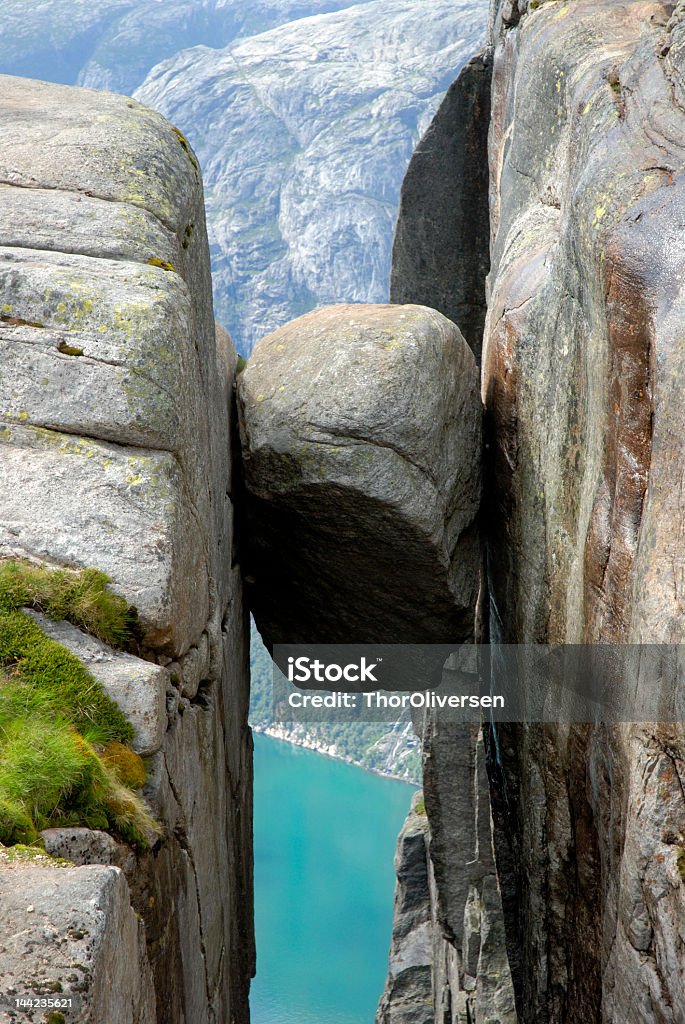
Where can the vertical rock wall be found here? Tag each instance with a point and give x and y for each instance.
(582, 369)
(115, 452)
(583, 508)
(440, 251)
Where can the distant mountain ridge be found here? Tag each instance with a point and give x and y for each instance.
(303, 116)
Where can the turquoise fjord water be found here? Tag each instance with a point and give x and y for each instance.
(325, 836)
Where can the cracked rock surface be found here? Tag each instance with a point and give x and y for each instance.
(110, 373)
(70, 932)
(115, 452)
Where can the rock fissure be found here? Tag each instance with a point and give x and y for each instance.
(180, 836)
(91, 195)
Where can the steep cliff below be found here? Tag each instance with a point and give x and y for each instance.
(115, 399)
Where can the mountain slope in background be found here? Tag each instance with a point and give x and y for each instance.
(304, 134)
(388, 749)
(303, 131)
(114, 43)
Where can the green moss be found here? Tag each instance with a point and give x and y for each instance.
(128, 766)
(69, 350)
(55, 1017)
(186, 145)
(241, 364)
(187, 235)
(56, 722)
(33, 854)
(155, 261)
(420, 806)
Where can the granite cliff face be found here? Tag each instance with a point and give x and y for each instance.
(115, 453)
(581, 365)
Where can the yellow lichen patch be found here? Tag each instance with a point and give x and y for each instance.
(155, 261)
(184, 142)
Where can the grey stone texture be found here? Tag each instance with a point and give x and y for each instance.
(408, 996)
(360, 430)
(110, 380)
(441, 251)
(582, 382)
(138, 687)
(70, 932)
(115, 452)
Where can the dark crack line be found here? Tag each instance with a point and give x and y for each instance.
(186, 847)
(142, 262)
(90, 195)
(374, 444)
(118, 445)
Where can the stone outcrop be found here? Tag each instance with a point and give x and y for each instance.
(448, 958)
(360, 430)
(70, 933)
(472, 977)
(115, 452)
(408, 996)
(441, 252)
(139, 687)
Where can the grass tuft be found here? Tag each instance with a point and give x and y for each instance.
(81, 598)
(63, 753)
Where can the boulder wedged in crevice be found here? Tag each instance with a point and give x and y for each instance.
(360, 430)
(360, 437)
